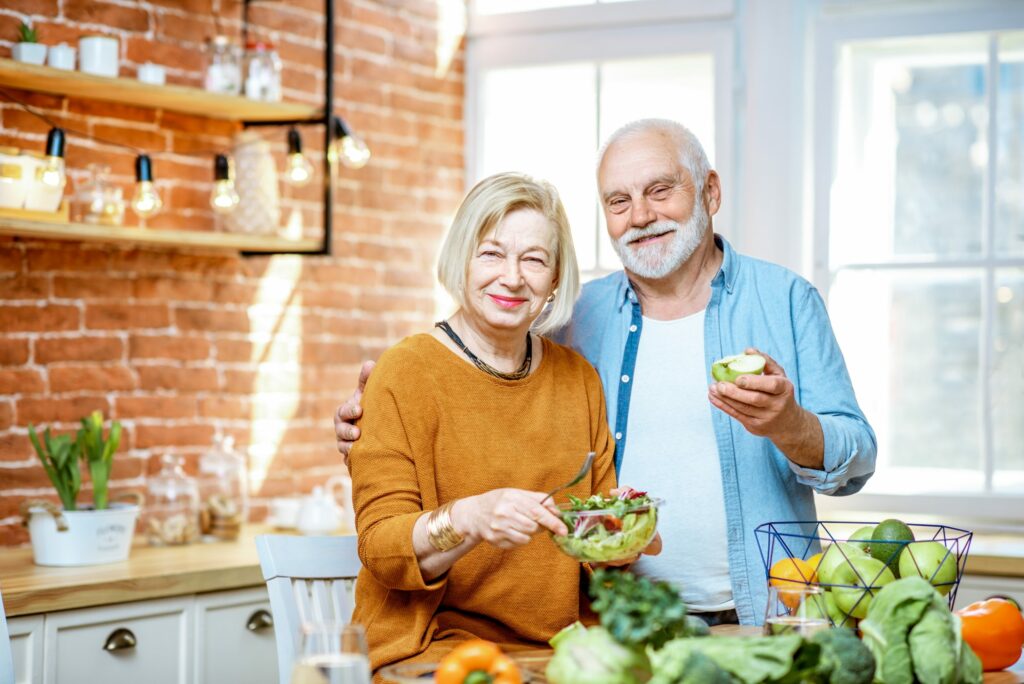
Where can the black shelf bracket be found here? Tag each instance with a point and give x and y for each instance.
(325, 120)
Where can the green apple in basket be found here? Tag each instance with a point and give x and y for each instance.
(826, 608)
(857, 582)
(731, 367)
(931, 560)
(835, 555)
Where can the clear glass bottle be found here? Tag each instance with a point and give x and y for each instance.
(262, 72)
(172, 505)
(223, 491)
(224, 70)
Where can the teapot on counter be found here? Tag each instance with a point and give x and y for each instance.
(319, 512)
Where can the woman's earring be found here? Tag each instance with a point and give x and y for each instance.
(551, 297)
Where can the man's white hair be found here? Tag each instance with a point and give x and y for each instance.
(688, 147)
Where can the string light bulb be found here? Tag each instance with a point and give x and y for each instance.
(348, 148)
(146, 202)
(54, 171)
(298, 170)
(224, 198)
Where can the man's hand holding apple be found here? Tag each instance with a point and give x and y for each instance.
(765, 405)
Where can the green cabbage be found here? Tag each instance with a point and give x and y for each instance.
(592, 656)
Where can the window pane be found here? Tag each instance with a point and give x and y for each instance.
(1007, 381)
(543, 121)
(911, 340)
(1010, 183)
(680, 88)
(503, 6)
(912, 149)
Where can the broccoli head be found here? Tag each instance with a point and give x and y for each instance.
(844, 658)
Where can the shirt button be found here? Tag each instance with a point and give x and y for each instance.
(625, 378)
(632, 328)
(618, 435)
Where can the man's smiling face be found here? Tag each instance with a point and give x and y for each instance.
(648, 198)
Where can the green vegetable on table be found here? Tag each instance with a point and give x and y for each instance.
(844, 658)
(915, 638)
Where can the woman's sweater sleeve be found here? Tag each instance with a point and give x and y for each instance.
(386, 491)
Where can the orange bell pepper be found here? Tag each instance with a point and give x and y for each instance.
(477, 662)
(994, 628)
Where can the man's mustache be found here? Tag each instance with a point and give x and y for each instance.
(634, 234)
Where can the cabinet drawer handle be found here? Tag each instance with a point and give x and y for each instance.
(120, 640)
(261, 619)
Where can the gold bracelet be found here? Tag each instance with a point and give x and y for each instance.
(440, 531)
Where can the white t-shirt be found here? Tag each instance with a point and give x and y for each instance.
(673, 455)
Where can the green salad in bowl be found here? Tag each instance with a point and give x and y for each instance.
(603, 529)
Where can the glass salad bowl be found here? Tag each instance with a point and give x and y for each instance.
(604, 529)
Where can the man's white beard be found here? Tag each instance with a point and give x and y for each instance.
(658, 260)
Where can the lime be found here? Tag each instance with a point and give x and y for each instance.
(888, 540)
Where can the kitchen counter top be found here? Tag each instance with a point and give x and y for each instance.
(150, 572)
(996, 554)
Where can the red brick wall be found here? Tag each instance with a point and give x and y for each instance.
(180, 346)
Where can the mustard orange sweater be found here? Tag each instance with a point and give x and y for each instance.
(434, 429)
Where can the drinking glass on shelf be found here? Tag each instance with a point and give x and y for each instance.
(795, 609)
(332, 653)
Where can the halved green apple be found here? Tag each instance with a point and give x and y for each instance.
(731, 367)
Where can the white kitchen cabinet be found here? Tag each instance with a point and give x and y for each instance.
(210, 638)
(978, 587)
(27, 648)
(234, 638)
(147, 641)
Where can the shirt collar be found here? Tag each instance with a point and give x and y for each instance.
(727, 272)
(626, 296)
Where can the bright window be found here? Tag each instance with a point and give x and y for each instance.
(925, 256)
(543, 103)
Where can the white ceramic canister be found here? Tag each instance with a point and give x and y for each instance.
(98, 55)
(61, 56)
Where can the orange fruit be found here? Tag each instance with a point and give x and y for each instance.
(791, 571)
(813, 561)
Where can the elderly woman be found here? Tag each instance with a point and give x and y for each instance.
(465, 429)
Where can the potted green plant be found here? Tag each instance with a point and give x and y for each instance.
(28, 48)
(73, 534)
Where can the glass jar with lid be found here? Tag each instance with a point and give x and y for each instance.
(223, 491)
(262, 72)
(98, 201)
(224, 70)
(172, 505)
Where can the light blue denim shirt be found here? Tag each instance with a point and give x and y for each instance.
(753, 304)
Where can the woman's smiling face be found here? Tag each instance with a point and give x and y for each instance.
(512, 272)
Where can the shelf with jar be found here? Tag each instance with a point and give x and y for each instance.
(174, 98)
(245, 195)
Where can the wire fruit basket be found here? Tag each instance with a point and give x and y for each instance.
(843, 559)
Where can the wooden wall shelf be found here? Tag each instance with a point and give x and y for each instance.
(161, 238)
(130, 91)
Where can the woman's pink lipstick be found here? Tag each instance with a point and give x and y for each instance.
(507, 302)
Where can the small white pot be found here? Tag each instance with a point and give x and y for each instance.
(90, 538)
(31, 53)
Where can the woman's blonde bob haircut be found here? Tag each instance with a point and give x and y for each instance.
(485, 206)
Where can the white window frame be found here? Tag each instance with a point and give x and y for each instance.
(637, 29)
(842, 21)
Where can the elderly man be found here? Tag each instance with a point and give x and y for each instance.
(726, 457)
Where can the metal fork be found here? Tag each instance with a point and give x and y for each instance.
(584, 469)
